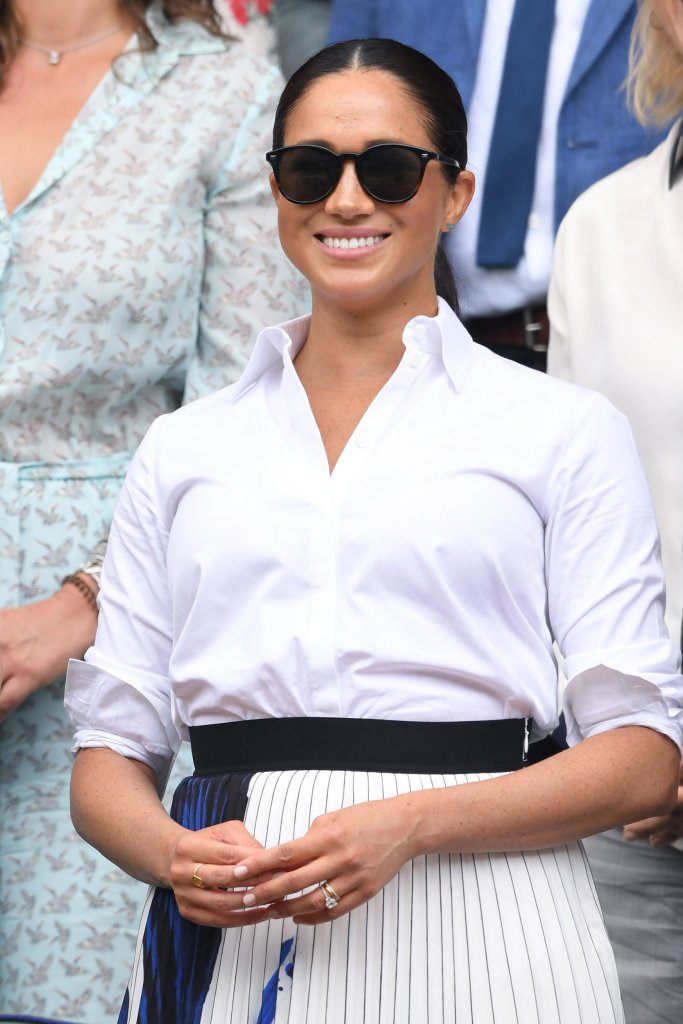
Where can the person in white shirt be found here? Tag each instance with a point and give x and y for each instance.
(341, 579)
(615, 326)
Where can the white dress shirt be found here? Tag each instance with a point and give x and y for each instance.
(478, 510)
(485, 292)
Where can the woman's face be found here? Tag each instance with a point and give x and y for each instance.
(669, 15)
(347, 112)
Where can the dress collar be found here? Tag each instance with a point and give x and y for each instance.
(443, 334)
(175, 40)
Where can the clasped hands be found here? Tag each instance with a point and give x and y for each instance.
(357, 850)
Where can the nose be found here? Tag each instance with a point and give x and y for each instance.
(349, 199)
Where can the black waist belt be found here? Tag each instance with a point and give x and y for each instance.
(359, 744)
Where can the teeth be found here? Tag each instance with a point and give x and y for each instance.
(351, 243)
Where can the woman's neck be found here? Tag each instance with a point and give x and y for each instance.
(62, 23)
(344, 344)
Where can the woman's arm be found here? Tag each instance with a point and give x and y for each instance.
(604, 781)
(116, 808)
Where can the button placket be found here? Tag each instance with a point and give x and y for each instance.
(321, 657)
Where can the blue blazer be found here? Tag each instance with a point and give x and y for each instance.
(596, 132)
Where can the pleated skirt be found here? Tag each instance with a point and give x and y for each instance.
(501, 938)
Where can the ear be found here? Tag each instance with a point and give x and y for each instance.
(273, 186)
(459, 197)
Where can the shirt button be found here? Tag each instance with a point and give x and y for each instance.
(418, 332)
(414, 360)
(534, 220)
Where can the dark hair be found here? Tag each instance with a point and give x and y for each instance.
(431, 87)
(204, 12)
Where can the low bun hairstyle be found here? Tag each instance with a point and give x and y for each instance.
(429, 85)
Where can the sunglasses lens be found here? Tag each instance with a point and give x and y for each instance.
(307, 174)
(390, 173)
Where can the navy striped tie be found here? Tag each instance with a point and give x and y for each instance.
(511, 168)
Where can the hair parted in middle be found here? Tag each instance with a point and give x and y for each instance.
(433, 90)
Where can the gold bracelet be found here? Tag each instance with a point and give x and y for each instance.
(88, 592)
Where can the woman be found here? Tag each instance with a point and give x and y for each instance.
(348, 612)
(137, 256)
(615, 315)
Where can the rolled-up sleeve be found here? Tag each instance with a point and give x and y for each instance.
(119, 696)
(604, 579)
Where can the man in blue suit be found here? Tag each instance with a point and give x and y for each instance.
(584, 131)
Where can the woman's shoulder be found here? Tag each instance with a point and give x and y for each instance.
(545, 409)
(226, 60)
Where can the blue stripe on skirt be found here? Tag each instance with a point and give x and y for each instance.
(173, 947)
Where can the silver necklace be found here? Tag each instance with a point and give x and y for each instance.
(55, 56)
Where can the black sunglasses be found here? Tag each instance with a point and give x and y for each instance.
(389, 173)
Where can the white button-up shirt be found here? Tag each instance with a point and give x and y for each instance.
(478, 511)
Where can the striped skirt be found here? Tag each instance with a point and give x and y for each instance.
(503, 938)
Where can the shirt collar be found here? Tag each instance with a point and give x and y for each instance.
(676, 160)
(178, 39)
(442, 334)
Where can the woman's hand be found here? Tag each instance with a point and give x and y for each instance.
(357, 850)
(661, 831)
(37, 640)
(213, 853)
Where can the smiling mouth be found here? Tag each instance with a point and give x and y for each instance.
(356, 242)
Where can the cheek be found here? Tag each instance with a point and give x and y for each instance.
(293, 236)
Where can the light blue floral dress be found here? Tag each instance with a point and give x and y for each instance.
(133, 278)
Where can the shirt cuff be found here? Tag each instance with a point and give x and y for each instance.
(603, 697)
(93, 738)
(133, 718)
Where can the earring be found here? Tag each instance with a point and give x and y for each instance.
(449, 227)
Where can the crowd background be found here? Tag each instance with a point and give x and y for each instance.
(56, 958)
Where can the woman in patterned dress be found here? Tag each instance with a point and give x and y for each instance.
(341, 579)
(138, 255)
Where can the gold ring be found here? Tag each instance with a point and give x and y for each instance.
(196, 880)
(331, 897)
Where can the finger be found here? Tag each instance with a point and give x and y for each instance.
(285, 884)
(313, 904)
(224, 919)
(203, 847)
(644, 829)
(666, 837)
(283, 857)
(13, 692)
(234, 832)
(185, 871)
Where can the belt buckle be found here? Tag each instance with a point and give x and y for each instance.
(532, 327)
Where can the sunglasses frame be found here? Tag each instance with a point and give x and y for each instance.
(425, 155)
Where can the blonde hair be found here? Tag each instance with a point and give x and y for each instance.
(655, 71)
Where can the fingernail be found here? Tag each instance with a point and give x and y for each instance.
(241, 871)
(629, 836)
(249, 900)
